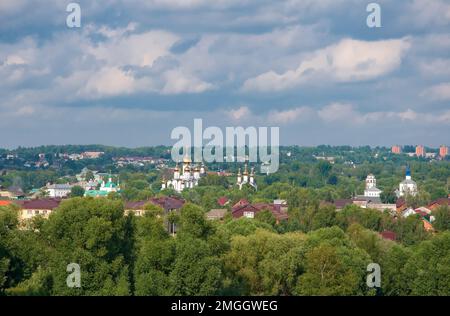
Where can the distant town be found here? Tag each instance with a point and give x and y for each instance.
(382, 197)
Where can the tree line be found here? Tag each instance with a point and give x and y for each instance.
(317, 252)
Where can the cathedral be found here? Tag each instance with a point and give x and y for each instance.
(186, 178)
(246, 178)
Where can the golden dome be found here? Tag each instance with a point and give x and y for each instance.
(187, 159)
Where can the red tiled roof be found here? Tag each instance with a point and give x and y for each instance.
(40, 204)
(241, 202)
(222, 201)
(5, 203)
(421, 213)
(387, 234)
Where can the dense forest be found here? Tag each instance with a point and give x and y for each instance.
(317, 252)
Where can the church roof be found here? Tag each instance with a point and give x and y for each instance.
(110, 184)
(374, 189)
(408, 181)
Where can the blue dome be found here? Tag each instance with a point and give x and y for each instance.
(408, 171)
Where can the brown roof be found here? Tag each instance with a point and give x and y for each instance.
(277, 211)
(216, 213)
(138, 205)
(342, 203)
(239, 204)
(40, 204)
(168, 202)
(441, 201)
(400, 202)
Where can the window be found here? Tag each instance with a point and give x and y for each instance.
(249, 214)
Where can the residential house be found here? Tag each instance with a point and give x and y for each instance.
(58, 190)
(438, 203)
(32, 208)
(242, 209)
(167, 203)
(216, 214)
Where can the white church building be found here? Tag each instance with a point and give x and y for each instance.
(407, 186)
(371, 187)
(246, 178)
(186, 178)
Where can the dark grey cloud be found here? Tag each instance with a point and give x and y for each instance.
(170, 61)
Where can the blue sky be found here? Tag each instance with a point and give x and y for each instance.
(137, 69)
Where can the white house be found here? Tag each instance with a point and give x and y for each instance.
(58, 190)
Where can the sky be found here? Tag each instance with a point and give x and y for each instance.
(136, 69)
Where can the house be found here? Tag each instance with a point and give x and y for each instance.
(408, 212)
(401, 205)
(216, 214)
(246, 210)
(58, 190)
(250, 210)
(427, 225)
(222, 201)
(392, 208)
(438, 203)
(341, 203)
(169, 204)
(424, 210)
(13, 193)
(240, 203)
(365, 202)
(32, 208)
(138, 208)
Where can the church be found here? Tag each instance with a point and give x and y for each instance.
(371, 187)
(246, 178)
(371, 192)
(407, 186)
(186, 178)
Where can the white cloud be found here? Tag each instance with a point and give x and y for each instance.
(178, 82)
(289, 116)
(347, 61)
(134, 49)
(109, 82)
(240, 113)
(436, 67)
(440, 92)
(337, 112)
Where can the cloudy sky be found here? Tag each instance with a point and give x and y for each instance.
(137, 69)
